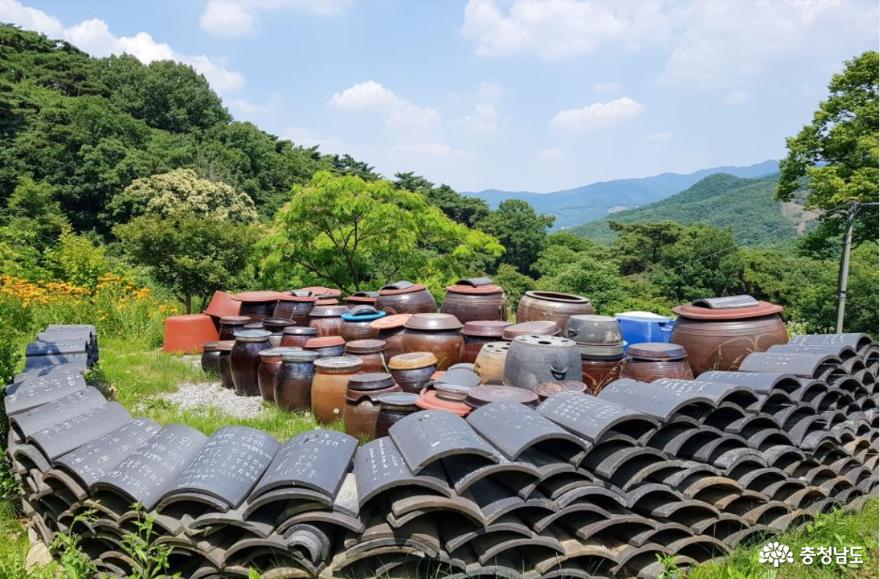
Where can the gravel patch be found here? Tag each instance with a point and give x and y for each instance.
(204, 395)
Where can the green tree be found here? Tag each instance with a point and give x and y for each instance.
(640, 245)
(837, 152)
(33, 216)
(520, 230)
(348, 165)
(460, 208)
(357, 234)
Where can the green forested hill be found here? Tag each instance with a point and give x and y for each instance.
(746, 206)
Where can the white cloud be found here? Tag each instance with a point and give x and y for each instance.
(400, 114)
(609, 86)
(597, 115)
(660, 137)
(487, 101)
(430, 149)
(305, 137)
(231, 18)
(94, 36)
(365, 95)
(549, 154)
(250, 108)
(736, 98)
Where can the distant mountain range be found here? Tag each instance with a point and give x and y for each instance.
(746, 206)
(577, 206)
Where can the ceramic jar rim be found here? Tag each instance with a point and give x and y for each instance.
(366, 346)
(339, 364)
(557, 297)
(252, 335)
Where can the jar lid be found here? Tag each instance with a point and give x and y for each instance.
(289, 297)
(462, 287)
(327, 311)
(656, 351)
(370, 381)
(390, 322)
(321, 291)
(412, 360)
(299, 355)
(429, 401)
(301, 331)
(602, 351)
(251, 335)
(451, 391)
(324, 342)
(257, 296)
(210, 346)
(558, 297)
(234, 320)
(254, 326)
(486, 394)
(327, 302)
(278, 322)
(433, 322)
(538, 328)
(225, 345)
(398, 401)
(464, 377)
(271, 353)
(735, 309)
(485, 328)
(368, 346)
(339, 364)
(373, 295)
(363, 315)
(401, 287)
(547, 389)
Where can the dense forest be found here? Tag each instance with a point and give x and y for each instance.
(112, 167)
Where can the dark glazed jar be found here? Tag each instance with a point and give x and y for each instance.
(245, 360)
(391, 329)
(393, 407)
(535, 359)
(356, 323)
(270, 363)
(719, 338)
(327, 319)
(371, 353)
(475, 299)
(478, 333)
(361, 404)
(297, 336)
(404, 297)
(651, 361)
(439, 334)
(412, 371)
(231, 324)
(223, 363)
(555, 306)
(211, 358)
(257, 305)
(326, 347)
(329, 386)
(294, 308)
(293, 386)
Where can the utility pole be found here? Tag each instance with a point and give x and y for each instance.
(843, 277)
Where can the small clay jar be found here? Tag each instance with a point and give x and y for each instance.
(223, 363)
(270, 363)
(554, 306)
(211, 358)
(361, 404)
(413, 370)
(475, 299)
(329, 386)
(490, 362)
(371, 353)
(356, 323)
(258, 304)
(327, 319)
(245, 360)
(394, 407)
(230, 324)
(293, 385)
(478, 333)
(439, 334)
(403, 297)
(295, 308)
(651, 361)
(536, 328)
(545, 390)
(326, 347)
(297, 336)
(391, 329)
(599, 372)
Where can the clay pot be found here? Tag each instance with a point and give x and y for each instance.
(295, 308)
(245, 360)
(223, 363)
(270, 362)
(391, 330)
(413, 370)
(404, 297)
(545, 390)
(475, 299)
(327, 302)
(321, 291)
(371, 353)
(327, 319)
(361, 402)
(490, 362)
(555, 306)
(651, 361)
(211, 358)
(257, 305)
(598, 372)
(230, 324)
(595, 335)
(439, 334)
(719, 339)
(486, 394)
(293, 385)
(297, 336)
(538, 328)
(478, 333)
(329, 386)
(535, 359)
(393, 407)
(362, 298)
(428, 400)
(356, 323)
(326, 347)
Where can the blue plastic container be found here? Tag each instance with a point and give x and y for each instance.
(639, 327)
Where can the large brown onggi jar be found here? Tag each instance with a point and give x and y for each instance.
(555, 306)
(297, 336)
(439, 334)
(391, 329)
(356, 323)
(293, 385)
(413, 370)
(245, 360)
(230, 324)
(403, 297)
(490, 362)
(651, 361)
(223, 363)
(295, 308)
(393, 407)
(211, 358)
(600, 372)
(257, 304)
(361, 404)
(475, 299)
(326, 347)
(327, 319)
(329, 386)
(270, 363)
(719, 333)
(477, 333)
(371, 353)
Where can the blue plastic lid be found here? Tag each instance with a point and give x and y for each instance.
(363, 316)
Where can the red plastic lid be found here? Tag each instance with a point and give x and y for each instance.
(407, 290)
(479, 290)
(390, 322)
(693, 312)
(324, 342)
(257, 297)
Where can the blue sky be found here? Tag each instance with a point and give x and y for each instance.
(512, 94)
